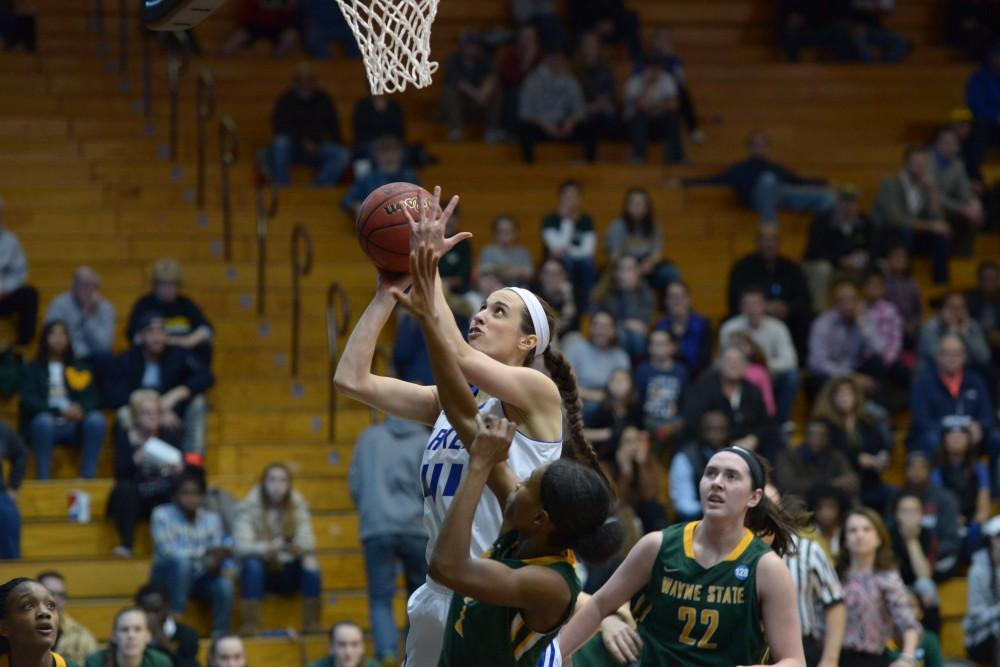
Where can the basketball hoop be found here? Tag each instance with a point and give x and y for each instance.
(395, 41)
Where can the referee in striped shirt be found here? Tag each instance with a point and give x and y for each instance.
(820, 598)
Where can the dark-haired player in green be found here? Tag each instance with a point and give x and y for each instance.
(708, 593)
(509, 605)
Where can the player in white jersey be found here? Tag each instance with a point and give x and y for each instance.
(505, 337)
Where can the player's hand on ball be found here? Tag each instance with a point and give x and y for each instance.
(492, 440)
(423, 272)
(387, 281)
(430, 228)
(621, 641)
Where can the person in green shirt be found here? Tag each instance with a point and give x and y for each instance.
(703, 593)
(29, 626)
(347, 648)
(510, 603)
(129, 645)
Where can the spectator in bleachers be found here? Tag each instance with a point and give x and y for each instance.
(227, 651)
(596, 357)
(691, 330)
(515, 62)
(902, 291)
(662, 49)
(129, 645)
(630, 301)
(14, 453)
(878, 608)
(775, 341)
(60, 403)
(636, 233)
(551, 108)
(984, 307)
(273, 20)
(725, 388)
(960, 470)
(540, 15)
(638, 473)
(829, 507)
(322, 22)
(75, 641)
(972, 26)
(347, 648)
(940, 509)
(785, 286)
(820, 596)
(916, 551)
(766, 186)
(146, 463)
(840, 346)
(553, 285)
(756, 373)
(855, 431)
(652, 103)
(277, 550)
(88, 315)
(981, 625)
(600, 89)
(962, 208)
(950, 394)
(456, 265)
(384, 481)
(797, 470)
(605, 422)
(953, 318)
(872, 42)
(177, 374)
(568, 235)
(610, 19)
(190, 552)
(471, 89)
(376, 116)
(982, 95)
(842, 242)
(688, 464)
(306, 131)
(661, 383)
(510, 260)
(804, 24)
(881, 319)
(17, 298)
(185, 324)
(907, 209)
(169, 636)
(389, 167)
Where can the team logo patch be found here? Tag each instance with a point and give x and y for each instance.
(742, 572)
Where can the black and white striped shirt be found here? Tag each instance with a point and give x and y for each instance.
(816, 583)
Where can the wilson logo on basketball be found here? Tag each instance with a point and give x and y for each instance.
(410, 203)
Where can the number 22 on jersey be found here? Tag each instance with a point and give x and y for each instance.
(689, 616)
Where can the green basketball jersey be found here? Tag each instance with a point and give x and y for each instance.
(692, 616)
(485, 635)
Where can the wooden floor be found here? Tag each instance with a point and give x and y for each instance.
(87, 181)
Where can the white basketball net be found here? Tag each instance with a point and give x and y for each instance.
(395, 40)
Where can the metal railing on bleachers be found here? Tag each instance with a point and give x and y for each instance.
(301, 266)
(266, 208)
(228, 155)
(338, 319)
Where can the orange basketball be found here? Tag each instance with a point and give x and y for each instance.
(382, 228)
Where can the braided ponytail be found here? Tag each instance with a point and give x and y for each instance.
(561, 372)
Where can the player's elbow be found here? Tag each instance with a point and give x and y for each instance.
(446, 572)
(347, 381)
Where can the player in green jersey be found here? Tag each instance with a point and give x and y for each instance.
(508, 606)
(703, 593)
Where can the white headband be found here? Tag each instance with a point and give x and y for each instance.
(538, 319)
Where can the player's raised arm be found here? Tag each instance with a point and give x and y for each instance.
(520, 386)
(455, 397)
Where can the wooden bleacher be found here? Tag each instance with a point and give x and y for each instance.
(86, 182)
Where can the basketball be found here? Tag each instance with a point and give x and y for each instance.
(382, 228)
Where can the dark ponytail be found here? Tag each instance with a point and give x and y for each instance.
(561, 372)
(5, 591)
(578, 501)
(778, 521)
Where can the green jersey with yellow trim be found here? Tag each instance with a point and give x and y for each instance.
(695, 616)
(486, 635)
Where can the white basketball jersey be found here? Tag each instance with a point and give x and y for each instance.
(444, 464)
